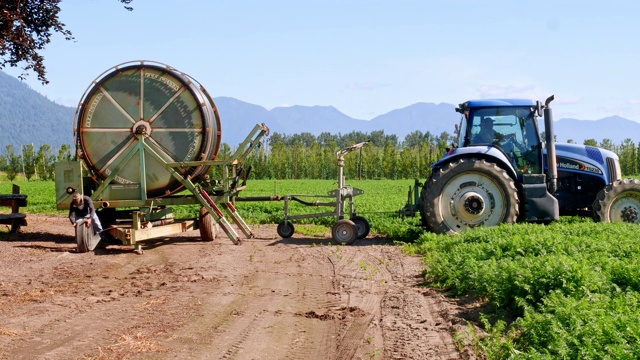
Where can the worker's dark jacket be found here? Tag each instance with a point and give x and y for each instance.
(85, 210)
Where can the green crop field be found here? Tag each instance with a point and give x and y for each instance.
(568, 290)
(380, 203)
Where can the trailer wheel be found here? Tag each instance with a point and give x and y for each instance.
(286, 229)
(344, 232)
(467, 193)
(362, 226)
(208, 227)
(618, 202)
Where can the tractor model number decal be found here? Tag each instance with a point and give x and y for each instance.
(570, 164)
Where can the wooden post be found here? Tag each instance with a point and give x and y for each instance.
(14, 205)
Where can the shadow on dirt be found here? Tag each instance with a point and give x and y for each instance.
(102, 251)
(372, 241)
(174, 240)
(37, 237)
(49, 248)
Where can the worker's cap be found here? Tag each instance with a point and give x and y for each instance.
(487, 121)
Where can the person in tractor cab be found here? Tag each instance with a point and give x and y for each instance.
(486, 134)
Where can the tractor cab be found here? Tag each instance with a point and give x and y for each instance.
(507, 125)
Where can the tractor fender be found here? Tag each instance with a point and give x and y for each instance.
(490, 153)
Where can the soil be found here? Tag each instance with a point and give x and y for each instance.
(183, 298)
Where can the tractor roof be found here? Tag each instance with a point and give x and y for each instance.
(494, 102)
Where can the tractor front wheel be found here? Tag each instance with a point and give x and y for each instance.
(467, 193)
(618, 202)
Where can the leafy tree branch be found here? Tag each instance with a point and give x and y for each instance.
(26, 27)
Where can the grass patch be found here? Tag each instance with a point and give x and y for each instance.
(314, 230)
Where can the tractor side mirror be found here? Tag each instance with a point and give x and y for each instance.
(539, 108)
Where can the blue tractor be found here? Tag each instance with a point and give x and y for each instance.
(502, 171)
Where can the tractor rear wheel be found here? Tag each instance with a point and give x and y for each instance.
(618, 202)
(467, 193)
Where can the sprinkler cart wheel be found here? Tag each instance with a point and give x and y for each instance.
(344, 232)
(286, 229)
(362, 226)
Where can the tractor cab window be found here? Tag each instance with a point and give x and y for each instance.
(461, 131)
(511, 129)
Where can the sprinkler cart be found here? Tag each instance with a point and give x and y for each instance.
(345, 230)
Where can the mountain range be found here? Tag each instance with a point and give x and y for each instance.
(27, 117)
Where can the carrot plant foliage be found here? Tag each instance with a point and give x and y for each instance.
(573, 287)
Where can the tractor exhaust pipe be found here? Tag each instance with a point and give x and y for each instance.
(552, 172)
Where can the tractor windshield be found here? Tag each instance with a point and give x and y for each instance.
(513, 129)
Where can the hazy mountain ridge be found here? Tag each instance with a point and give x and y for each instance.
(615, 128)
(28, 117)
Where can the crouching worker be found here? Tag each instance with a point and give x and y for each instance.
(82, 208)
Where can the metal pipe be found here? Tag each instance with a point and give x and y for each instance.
(552, 171)
(259, 198)
(313, 203)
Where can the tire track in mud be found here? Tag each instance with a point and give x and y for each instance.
(265, 311)
(361, 279)
(316, 295)
(415, 321)
(398, 319)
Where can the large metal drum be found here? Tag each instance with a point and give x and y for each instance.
(151, 102)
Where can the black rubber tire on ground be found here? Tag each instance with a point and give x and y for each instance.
(82, 238)
(466, 193)
(618, 202)
(286, 229)
(362, 226)
(206, 224)
(344, 232)
(86, 238)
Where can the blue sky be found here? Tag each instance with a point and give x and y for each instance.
(364, 57)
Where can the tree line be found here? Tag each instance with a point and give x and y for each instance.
(32, 164)
(627, 151)
(306, 156)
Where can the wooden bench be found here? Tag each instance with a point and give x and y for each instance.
(15, 201)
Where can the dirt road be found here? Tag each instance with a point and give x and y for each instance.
(267, 298)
